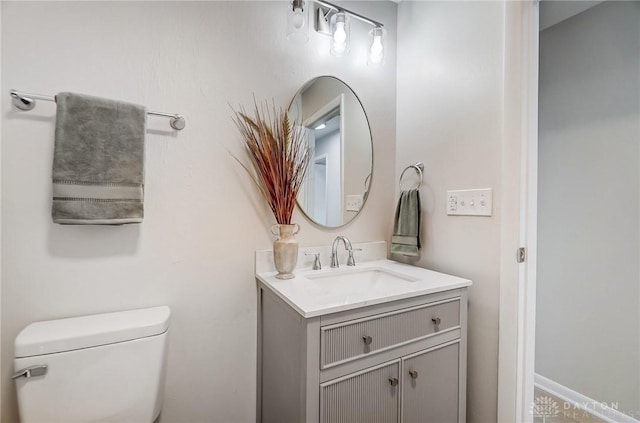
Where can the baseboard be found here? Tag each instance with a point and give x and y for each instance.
(581, 402)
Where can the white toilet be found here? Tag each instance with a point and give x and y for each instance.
(99, 368)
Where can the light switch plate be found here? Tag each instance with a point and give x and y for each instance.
(470, 202)
(354, 203)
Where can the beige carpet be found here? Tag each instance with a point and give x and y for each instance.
(551, 409)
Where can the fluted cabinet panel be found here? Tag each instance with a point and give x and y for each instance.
(365, 397)
(349, 340)
(430, 386)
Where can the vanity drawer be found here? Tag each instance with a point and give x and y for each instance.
(353, 339)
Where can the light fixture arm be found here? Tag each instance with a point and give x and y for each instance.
(350, 13)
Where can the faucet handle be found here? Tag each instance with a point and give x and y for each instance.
(316, 262)
(352, 261)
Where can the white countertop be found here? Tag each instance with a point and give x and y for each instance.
(307, 294)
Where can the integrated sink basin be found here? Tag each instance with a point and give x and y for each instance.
(346, 285)
(362, 278)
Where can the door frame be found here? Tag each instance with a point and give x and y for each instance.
(519, 212)
(317, 159)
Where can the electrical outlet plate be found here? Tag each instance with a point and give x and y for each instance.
(354, 203)
(470, 202)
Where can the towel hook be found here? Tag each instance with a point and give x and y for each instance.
(419, 168)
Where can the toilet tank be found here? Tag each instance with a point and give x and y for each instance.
(100, 368)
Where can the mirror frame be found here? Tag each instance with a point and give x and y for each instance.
(365, 195)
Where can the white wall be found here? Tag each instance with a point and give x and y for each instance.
(588, 322)
(204, 219)
(449, 116)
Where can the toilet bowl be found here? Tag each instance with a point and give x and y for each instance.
(99, 368)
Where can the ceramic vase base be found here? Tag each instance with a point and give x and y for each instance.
(285, 250)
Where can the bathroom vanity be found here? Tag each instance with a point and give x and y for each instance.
(376, 342)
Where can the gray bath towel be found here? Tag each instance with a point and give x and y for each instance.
(98, 161)
(406, 227)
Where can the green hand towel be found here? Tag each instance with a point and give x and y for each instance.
(98, 161)
(406, 227)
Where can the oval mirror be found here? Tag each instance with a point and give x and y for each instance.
(337, 131)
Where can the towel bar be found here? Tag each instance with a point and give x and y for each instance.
(419, 168)
(27, 101)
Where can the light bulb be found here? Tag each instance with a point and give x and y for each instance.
(376, 46)
(376, 52)
(297, 20)
(340, 35)
(297, 23)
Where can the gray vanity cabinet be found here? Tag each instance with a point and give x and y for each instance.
(399, 361)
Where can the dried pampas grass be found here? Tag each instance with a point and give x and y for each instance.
(279, 156)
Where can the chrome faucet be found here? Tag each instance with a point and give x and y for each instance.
(347, 246)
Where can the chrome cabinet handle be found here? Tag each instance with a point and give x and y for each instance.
(436, 320)
(413, 374)
(393, 381)
(367, 340)
(33, 371)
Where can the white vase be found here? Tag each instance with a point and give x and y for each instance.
(285, 249)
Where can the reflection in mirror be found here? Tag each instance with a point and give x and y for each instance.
(337, 131)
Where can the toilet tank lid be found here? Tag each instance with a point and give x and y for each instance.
(74, 333)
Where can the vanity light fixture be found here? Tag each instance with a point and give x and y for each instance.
(298, 22)
(334, 21)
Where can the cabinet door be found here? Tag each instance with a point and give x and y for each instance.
(430, 385)
(369, 396)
